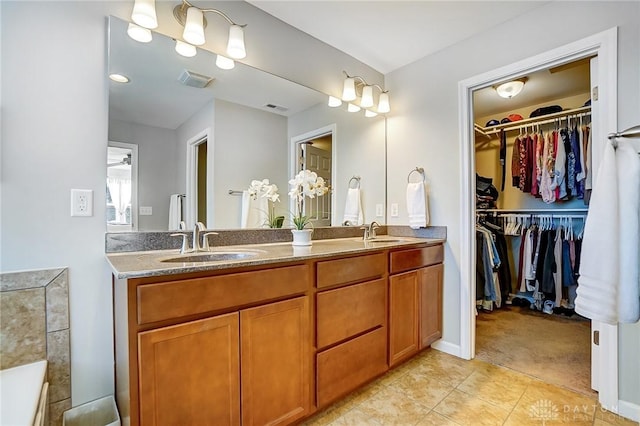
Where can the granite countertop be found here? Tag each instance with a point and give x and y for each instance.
(150, 263)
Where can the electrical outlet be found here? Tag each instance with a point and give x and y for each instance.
(81, 202)
(379, 210)
(394, 210)
(146, 210)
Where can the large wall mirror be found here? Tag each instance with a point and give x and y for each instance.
(198, 148)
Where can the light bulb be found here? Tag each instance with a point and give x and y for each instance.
(510, 89)
(369, 114)
(185, 49)
(349, 90)
(144, 13)
(353, 108)
(367, 97)
(383, 103)
(194, 27)
(225, 63)
(334, 102)
(235, 46)
(138, 33)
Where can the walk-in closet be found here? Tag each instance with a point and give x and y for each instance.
(534, 168)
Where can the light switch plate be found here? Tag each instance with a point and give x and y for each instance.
(394, 209)
(81, 202)
(146, 210)
(379, 210)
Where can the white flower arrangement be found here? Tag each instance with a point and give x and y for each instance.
(264, 189)
(305, 184)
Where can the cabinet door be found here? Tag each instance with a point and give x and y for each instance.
(276, 355)
(189, 373)
(430, 304)
(403, 316)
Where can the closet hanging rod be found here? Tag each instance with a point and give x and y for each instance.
(548, 211)
(544, 119)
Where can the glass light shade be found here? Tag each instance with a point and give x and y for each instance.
(334, 102)
(144, 13)
(369, 114)
(194, 27)
(235, 46)
(367, 97)
(353, 108)
(225, 63)
(138, 33)
(185, 49)
(349, 90)
(119, 78)
(510, 89)
(383, 103)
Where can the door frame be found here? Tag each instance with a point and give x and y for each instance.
(293, 158)
(192, 179)
(134, 179)
(604, 45)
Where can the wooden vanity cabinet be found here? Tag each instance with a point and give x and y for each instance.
(415, 300)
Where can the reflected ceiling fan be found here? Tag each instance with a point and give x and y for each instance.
(126, 161)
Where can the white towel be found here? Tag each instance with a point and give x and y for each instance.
(417, 205)
(353, 207)
(254, 211)
(608, 289)
(175, 212)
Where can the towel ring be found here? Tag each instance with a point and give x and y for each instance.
(357, 179)
(418, 170)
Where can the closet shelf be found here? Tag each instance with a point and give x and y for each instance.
(544, 119)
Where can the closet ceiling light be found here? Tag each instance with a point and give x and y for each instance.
(350, 93)
(119, 78)
(138, 33)
(185, 49)
(510, 89)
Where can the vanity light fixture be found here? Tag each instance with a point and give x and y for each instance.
(144, 13)
(119, 78)
(194, 22)
(138, 33)
(185, 49)
(369, 114)
(334, 102)
(225, 63)
(510, 89)
(350, 93)
(353, 107)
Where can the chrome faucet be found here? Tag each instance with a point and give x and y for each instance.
(198, 234)
(370, 230)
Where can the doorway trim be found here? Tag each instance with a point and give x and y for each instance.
(192, 179)
(293, 157)
(604, 45)
(134, 179)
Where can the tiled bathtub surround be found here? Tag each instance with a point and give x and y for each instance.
(34, 325)
(143, 241)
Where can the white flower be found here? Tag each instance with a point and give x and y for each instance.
(262, 188)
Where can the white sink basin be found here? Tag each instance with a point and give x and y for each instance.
(217, 256)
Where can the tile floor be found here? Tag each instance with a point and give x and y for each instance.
(438, 389)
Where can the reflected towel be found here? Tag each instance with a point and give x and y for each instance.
(353, 207)
(254, 211)
(417, 205)
(175, 212)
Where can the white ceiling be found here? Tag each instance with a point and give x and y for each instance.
(387, 35)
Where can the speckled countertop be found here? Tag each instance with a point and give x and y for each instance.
(154, 263)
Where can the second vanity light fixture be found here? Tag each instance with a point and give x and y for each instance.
(193, 20)
(350, 94)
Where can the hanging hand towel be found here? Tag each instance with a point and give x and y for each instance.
(254, 211)
(417, 205)
(175, 212)
(353, 207)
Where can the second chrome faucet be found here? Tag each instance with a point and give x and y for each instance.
(199, 234)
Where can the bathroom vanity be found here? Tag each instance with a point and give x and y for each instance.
(270, 337)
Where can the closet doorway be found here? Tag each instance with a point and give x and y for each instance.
(604, 46)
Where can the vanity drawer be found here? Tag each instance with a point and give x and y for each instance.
(351, 270)
(345, 367)
(406, 260)
(347, 311)
(174, 299)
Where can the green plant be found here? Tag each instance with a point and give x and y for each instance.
(305, 184)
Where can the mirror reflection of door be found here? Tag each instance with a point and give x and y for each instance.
(315, 155)
(201, 172)
(121, 189)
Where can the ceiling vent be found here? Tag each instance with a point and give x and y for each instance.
(193, 79)
(276, 107)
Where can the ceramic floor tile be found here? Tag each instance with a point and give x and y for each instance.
(435, 419)
(422, 389)
(389, 407)
(355, 417)
(329, 414)
(470, 410)
(604, 417)
(496, 385)
(451, 370)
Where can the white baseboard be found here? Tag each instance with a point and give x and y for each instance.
(446, 347)
(629, 410)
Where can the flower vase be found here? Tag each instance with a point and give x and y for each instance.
(301, 237)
